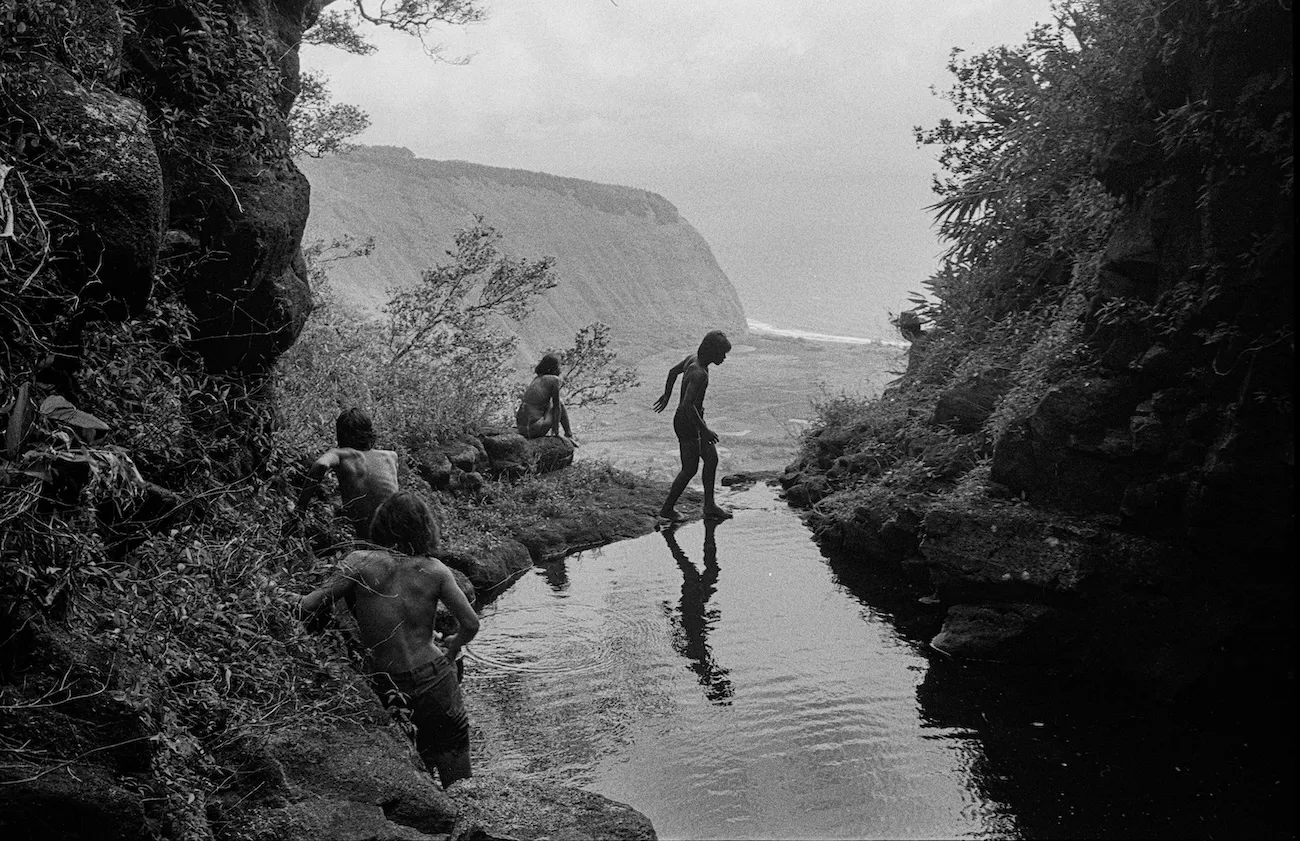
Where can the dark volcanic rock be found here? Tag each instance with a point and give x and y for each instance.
(623, 511)
(997, 631)
(335, 780)
(116, 190)
(1076, 449)
(77, 802)
(966, 405)
(122, 165)
(810, 490)
(251, 300)
(511, 806)
(511, 455)
(489, 568)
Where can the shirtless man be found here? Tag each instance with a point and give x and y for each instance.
(366, 476)
(694, 438)
(394, 594)
(540, 409)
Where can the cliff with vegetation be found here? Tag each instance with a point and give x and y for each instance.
(154, 682)
(623, 256)
(1088, 466)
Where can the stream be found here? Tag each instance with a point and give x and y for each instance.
(731, 682)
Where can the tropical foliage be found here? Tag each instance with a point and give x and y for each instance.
(440, 361)
(1051, 143)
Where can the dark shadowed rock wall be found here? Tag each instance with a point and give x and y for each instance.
(1138, 510)
(151, 141)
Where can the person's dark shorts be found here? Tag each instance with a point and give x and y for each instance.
(432, 693)
(687, 431)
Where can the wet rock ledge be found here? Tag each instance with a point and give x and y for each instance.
(601, 506)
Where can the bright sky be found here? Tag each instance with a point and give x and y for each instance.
(781, 129)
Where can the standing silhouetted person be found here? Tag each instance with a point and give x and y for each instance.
(694, 438)
(394, 593)
(540, 409)
(366, 476)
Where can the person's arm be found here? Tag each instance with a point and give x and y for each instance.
(557, 408)
(315, 474)
(673, 373)
(466, 619)
(339, 585)
(696, 383)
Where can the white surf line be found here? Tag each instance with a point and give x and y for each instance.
(764, 327)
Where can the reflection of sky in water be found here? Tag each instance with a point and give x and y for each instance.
(754, 689)
(723, 683)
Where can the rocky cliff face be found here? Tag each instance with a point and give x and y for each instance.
(1137, 513)
(145, 170)
(624, 256)
(149, 142)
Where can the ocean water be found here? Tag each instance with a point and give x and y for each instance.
(762, 328)
(760, 400)
(842, 312)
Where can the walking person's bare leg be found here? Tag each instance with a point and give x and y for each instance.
(690, 454)
(711, 509)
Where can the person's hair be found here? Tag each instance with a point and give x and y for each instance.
(355, 430)
(405, 522)
(550, 364)
(714, 339)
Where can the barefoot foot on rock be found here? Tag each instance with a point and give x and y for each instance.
(717, 514)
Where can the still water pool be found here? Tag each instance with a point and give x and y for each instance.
(729, 682)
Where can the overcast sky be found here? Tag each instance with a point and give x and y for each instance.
(781, 129)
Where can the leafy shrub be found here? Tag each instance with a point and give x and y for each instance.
(439, 362)
(1019, 200)
(433, 368)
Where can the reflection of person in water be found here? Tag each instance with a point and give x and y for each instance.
(695, 618)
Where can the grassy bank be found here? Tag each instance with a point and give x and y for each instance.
(147, 573)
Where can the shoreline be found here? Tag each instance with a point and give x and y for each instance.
(771, 331)
(759, 402)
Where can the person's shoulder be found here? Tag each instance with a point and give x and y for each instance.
(434, 566)
(330, 456)
(366, 558)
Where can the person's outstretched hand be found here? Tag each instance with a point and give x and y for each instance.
(661, 403)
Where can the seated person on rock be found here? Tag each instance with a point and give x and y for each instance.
(366, 476)
(540, 409)
(394, 593)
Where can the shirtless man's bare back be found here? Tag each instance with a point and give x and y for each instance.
(695, 440)
(394, 593)
(366, 476)
(540, 408)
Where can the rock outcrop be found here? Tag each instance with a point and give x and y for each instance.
(461, 465)
(624, 256)
(1137, 510)
(510, 806)
(153, 145)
